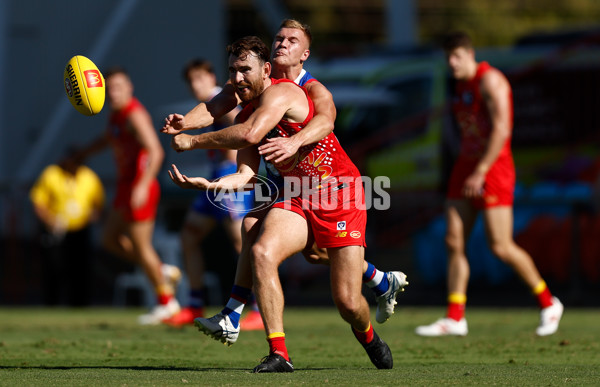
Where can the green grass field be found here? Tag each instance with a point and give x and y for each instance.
(105, 347)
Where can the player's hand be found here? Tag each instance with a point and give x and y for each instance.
(59, 226)
(174, 124)
(139, 196)
(279, 149)
(188, 182)
(473, 187)
(181, 142)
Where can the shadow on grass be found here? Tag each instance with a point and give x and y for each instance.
(132, 368)
(146, 368)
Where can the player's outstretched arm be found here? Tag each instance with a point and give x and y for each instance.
(203, 114)
(279, 149)
(248, 162)
(275, 103)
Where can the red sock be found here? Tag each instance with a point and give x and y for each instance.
(277, 345)
(456, 306)
(543, 295)
(164, 299)
(364, 337)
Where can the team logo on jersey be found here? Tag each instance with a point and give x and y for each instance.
(341, 225)
(355, 234)
(114, 130)
(467, 98)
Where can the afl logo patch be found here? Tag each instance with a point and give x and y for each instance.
(341, 225)
(68, 87)
(355, 234)
(467, 98)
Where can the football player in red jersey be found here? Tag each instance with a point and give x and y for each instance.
(130, 224)
(290, 50)
(483, 179)
(269, 104)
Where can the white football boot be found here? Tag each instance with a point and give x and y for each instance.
(444, 327)
(160, 313)
(550, 318)
(219, 327)
(387, 301)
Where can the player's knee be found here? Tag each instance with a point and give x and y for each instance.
(454, 243)
(262, 257)
(502, 250)
(348, 304)
(348, 309)
(191, 233)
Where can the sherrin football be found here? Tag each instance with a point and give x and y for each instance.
(84, 85)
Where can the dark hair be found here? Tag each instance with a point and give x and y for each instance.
(292, 23)
(197, 64)
(115, 70)
(455, 40)
(249, 44)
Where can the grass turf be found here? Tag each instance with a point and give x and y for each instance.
(105, 347)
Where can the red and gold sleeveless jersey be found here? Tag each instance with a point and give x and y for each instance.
(324, 161)
(130, 157)
(473, 118)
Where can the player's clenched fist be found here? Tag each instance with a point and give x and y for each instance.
(182, 142)
(174, 124)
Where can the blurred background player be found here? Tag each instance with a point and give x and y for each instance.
(67, 197)
(130, 224)
(483, 179)
(203, 215)
(290, 49)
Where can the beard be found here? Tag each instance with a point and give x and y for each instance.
(253, 90)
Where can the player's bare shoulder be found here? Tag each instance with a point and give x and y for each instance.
(494, 80)
(285, 88)
(289, 96)
(494, 85)
(317, 90)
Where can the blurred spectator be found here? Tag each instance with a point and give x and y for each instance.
(67, 197)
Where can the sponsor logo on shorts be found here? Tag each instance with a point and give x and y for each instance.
(341, 234)
(355, 234)
(341, 225)
(491, 199)
(93, 78)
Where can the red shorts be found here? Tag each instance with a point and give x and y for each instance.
(122, 202)
(341, 226)
(499, 186)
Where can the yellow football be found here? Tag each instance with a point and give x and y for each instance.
(84, 85)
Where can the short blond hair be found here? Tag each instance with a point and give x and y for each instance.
(293, 23)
